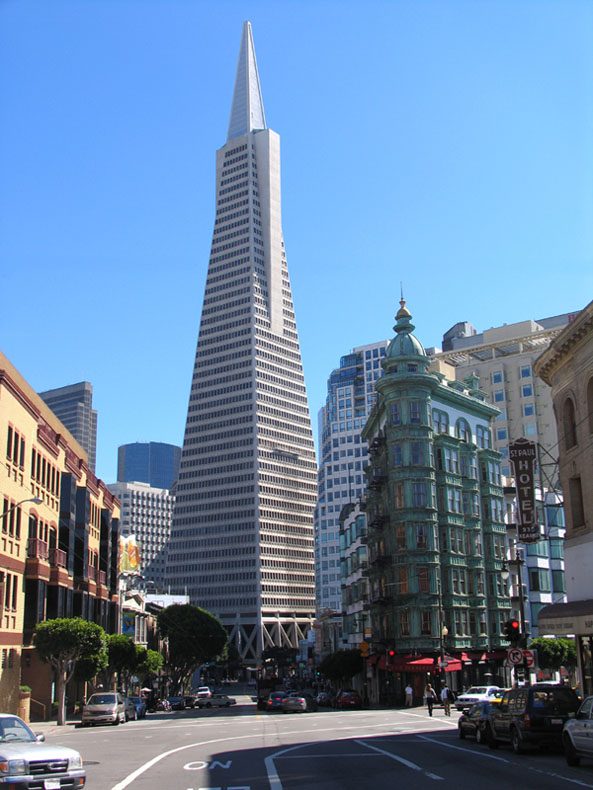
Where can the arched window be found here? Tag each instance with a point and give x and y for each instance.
(590, 403)
(569, 424)
(462, 430)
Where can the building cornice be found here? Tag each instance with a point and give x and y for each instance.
(564, 345)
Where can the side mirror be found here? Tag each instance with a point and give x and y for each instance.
(40, 737)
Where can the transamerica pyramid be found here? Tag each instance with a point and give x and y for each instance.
(242, 536)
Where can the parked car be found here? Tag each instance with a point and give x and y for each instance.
(204, 692)
(22, 754)
(477, 694)
(348, 699)
(299, 702)
(274, 702)
(475, 721)
(140, 704)
(216, 701)
(577, 734)
(104, 708)
(324, 698)
(176, 703)
(131, 712)
(190, 701)
(532, 716)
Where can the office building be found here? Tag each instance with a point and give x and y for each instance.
(343, 456)
(146, 513)
(73, 406)
(435, 511)
(155, 463)
(503, 359)
(242, 535)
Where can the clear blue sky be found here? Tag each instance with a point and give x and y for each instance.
(447, 144)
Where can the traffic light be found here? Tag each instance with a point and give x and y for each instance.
(512, 631)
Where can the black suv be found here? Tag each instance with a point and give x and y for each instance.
(531, 716)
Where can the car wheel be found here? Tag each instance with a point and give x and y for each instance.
(116, 722)
(516, 741)
(461, 733)
(208, 705)
(227, 704)
(572, 757)
(479, 736)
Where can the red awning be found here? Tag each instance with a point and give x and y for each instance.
(453, 665)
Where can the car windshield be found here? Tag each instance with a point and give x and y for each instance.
(477, 690)
(13, 729)
(102, 699)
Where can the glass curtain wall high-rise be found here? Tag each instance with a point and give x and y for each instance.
(242, 534)
(350, 397)
(155, 463)
(73, 406)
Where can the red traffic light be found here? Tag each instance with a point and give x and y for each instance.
(391, 653)
(515, 625)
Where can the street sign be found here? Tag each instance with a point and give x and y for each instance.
(515, 655)
(528, 658)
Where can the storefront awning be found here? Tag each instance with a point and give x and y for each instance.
(403, 664)
(566, 619)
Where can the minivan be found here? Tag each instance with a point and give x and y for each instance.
(531, 716)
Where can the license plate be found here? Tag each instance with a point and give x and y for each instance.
(556, 721)
(52, 784)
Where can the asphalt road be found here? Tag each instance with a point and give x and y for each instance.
(240, 748)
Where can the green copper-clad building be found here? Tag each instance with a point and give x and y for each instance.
(436, 531)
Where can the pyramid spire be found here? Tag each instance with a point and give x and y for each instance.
(247, 110)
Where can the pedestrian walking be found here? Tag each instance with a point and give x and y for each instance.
(446, 699)
(409, 696)
(430, 697)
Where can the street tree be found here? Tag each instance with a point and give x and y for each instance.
(148, 662)
(122, 658)
(195, 636)
(63, 643)
(342, 665)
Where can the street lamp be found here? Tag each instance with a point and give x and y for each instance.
(34, 500)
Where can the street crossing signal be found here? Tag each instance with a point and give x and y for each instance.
(512, 631)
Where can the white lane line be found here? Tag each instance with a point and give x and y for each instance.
(559, 776)
(401, 760)
(487, 755)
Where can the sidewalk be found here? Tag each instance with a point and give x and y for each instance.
(50, 728)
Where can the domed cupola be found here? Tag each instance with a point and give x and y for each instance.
(405, 350)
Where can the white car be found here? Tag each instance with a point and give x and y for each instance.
(577, 739)
(477, 694)
(204, 692)
(216, 701)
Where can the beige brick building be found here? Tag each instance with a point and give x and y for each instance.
(59, 537)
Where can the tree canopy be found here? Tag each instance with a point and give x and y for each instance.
(63, 643)
(555, 653)
(194, 636)
(122, 657)
(342, 665)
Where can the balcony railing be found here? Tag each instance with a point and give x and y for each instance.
(101, 577)
(57, 558)
(37, 549)
(92, 571)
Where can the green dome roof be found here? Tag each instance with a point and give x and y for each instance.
(404, 344)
